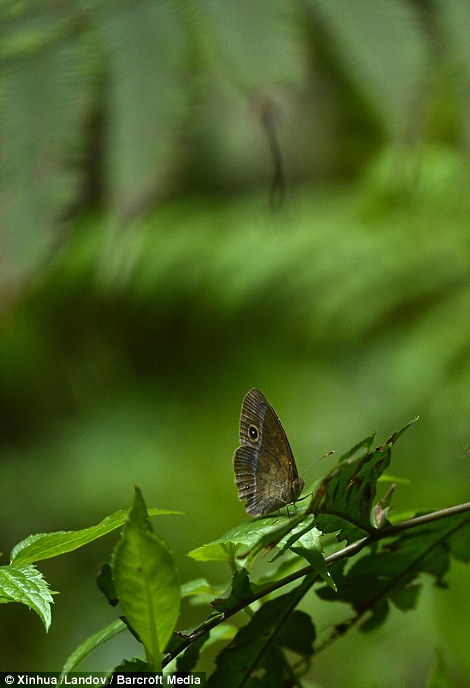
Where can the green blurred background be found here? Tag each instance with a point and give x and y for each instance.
(151, 274)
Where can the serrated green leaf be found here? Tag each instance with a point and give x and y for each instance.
(364, 444)
(309, 547)
(26, 585)
(391, 570)
(431, 544)
(337, 524)
(305, 533)
(90, 644)
(47, 545)
(282, 536)
(240, 590)
(295, 533)
(347, 492)
(145, 580)
(245, 535)
(132, 666)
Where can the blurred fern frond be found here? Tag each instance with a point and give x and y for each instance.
(104, 94)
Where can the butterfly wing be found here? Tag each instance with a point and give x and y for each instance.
(265, 470)
(263, 491)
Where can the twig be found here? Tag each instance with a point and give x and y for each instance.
(345, 552)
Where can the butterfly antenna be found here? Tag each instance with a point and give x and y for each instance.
(317, 461)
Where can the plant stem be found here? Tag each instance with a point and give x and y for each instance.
(348, 551)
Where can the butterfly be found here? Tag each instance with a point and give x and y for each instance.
(265, 471)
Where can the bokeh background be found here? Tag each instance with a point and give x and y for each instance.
(200, 197)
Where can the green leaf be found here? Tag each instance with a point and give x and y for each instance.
(91, 643)
(105, 583)
(383, 48)
(431, 545)
(282, 536)
(345, 497)
(241, 589)
(366, 443)
(199, 587)
(309, 547)
(47, 545)
(25, 584)
(275, 667)
(45, 99)
(145, 46)
(405, 597)
(377, 616)
(387, 478)
(145, 580)
(298, 634)
(296, 527)
(304, 529)
(223, 631)
(390, 571)
(187, 659)
(132, 666)
(284, 567)
(255, 536)
(244, 655)
(233, 35)
(245, 535)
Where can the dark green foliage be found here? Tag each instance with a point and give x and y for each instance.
(240, 590)
(188, 659)
(105, 583)
(257, 643)
(137, 297)
(387, 569)
(347, 493)
(391, 571)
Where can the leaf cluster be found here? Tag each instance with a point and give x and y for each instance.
(342, 546)
(96, 95)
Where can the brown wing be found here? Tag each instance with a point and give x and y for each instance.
(260, 427)
(260, 482)
(265, 470)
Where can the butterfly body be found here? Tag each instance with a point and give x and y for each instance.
(265, 470)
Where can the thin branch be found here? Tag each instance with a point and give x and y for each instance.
(348, 551)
